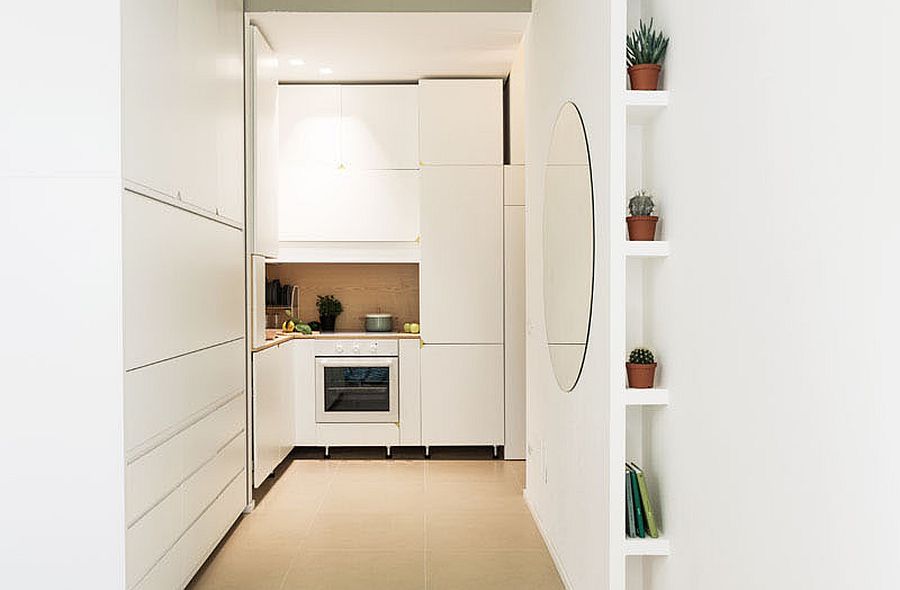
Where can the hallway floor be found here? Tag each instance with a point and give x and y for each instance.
(370, 525)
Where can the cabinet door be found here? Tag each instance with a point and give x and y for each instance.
(273, 409)
(460, 122)
(309, 118)
(262, 144)
(150, 99)
(514, 331)
(228, 120)
(380, 127)
(462, 394)
(461, 270)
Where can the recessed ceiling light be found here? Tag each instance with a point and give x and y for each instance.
(296, 62)
(326, 71)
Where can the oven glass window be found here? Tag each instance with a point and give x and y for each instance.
(357, 389)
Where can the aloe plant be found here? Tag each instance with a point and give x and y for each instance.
(646, 45)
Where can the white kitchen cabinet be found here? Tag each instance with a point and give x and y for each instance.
(273, 409)
(380, 127)
(309, 129)
(461, 273)
(305, 433)
(410, 393)
(462, 394)
(514, 331)
(183, 284)
(320, 204)
(183, 102)
(262, 145)
(461, 122)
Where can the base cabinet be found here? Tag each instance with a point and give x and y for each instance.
(273, 409)
(462, 394)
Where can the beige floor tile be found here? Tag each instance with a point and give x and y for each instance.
(374, 498)
(262, 530)
(357, 570)
(484, 496)
(236, 567)
(507, 570)
(469, 471)
(476, 531)
(366, 532)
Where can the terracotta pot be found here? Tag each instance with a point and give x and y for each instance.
(640, 376)
(644, 76)
(642, 228)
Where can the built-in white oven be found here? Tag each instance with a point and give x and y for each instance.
(357, 381)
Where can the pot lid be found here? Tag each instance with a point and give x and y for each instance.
(378, 315)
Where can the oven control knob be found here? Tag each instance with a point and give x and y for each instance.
(356, 349)
(373, 347)
(339, 348)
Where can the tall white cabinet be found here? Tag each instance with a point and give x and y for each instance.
(461, 270)
(183, 284)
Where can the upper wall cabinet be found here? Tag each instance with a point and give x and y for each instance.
(262, 145)
(380, 127)
(461, 122)
(183, 102)
(310, 125)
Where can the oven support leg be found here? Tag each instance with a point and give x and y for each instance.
(327, 452)
(427, 452)
(389, 451)
(495, 452)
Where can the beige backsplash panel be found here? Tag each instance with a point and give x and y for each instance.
(361, 288)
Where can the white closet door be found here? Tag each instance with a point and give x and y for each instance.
(380, 127)
(150, 105)
(461, 272)
(309, 126)
(514, 328)
(460, 122)
(228, 115)
(462, 394)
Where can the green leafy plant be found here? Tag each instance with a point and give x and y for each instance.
(328, 306)
(641, 356)
(641, 203)
(646, 45)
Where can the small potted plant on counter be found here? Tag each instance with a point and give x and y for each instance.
(641, 369)
(641, 221)
(646, 48)
(329, 309)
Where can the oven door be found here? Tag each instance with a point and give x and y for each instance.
(357, 389)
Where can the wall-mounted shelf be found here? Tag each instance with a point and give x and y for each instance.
(642, 106)
(646, 397)
(647, 547)
(647, 249)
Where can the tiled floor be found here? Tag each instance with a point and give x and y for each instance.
(370, 525)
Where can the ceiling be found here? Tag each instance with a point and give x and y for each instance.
(391, 47)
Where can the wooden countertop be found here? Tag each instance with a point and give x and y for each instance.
(282, 337)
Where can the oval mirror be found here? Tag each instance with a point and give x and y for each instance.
(568, 246)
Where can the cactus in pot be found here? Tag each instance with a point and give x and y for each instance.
(641, 368)
(641, 221)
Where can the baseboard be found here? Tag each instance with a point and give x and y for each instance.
(548, 542)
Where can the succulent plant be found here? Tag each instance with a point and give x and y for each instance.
(641, 203)
(645, 45)
(641, 356)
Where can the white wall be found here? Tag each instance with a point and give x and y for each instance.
(61, 301)
(776, 315)
(568, 447)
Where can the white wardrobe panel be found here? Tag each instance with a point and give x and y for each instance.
(183, 281)
(460, 122)
(150, 95)
(163, 396)
(514, 331)
(309, 131)
(462, 394)
(262, 145)
(380, 126)
(514, 185)
(461, 273)
(151, 537)
(228, 89)
(348, 205)
(207, 483)
(410, 393)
